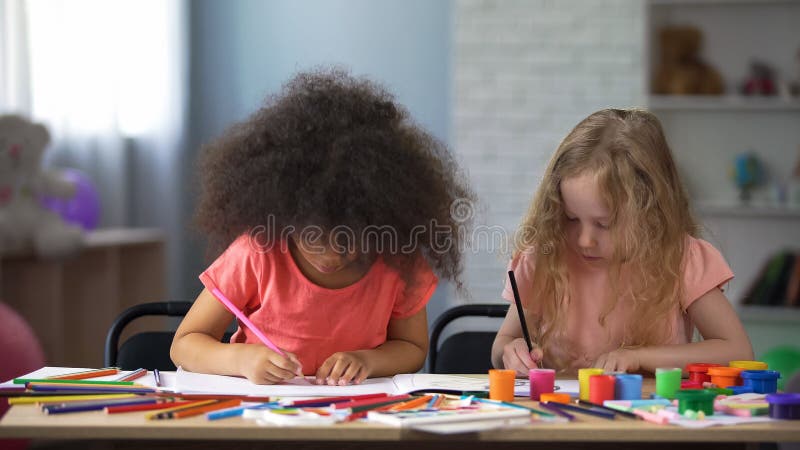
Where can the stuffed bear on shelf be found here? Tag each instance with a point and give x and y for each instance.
(681, 71)
(25, 225)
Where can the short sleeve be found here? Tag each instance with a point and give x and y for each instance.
(523, 267)
(236, 273)
(704, 270)
(412, 299)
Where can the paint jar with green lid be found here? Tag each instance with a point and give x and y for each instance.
(696, 400)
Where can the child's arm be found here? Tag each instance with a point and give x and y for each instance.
(403, 352)
(724, 340)
(510, 351)
(197, 347)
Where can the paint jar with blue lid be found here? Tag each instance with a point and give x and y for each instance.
(628, 386)
(736, 390)
(762, 381)
(696, 400)
(784, 406)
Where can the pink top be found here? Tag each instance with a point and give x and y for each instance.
(306, 319)
(705, 269)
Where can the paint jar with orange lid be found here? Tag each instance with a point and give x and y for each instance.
(725, 376)
(698, 371)
(555, 397)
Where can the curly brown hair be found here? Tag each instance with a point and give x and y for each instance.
(332, 151)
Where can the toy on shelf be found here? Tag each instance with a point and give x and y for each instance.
(761, 80)
(747, 172)
(681, 71)
(24, 223)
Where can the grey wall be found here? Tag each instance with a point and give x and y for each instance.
(242, 50)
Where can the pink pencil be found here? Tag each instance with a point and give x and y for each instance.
(239, 315)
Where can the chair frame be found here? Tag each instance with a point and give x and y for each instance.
(172, 309)
(471, 310)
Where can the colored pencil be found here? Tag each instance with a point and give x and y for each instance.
(226, 413)
(190, 412)
(147, 407)
(513, 405)
(520, 311)
(157, 377)
(411, 404)
(87, 374)
(51, 381)
(138, 373)
(325, 401)
(590, 411)
(617, 411)
(64, 398)
(370, 401)
(154, 414)
(244, 398)
(92, 389)
(555, 409)
(240, 315)
(94, 406)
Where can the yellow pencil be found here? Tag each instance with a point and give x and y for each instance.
(64, 398)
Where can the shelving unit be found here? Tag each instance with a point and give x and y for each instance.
(706, 132)
(71, 303)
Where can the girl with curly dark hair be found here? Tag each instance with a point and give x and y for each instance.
(334, 212)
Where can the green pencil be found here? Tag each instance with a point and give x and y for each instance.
(49, 380)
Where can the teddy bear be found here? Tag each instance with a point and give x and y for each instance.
(25, 224)
(681, 71)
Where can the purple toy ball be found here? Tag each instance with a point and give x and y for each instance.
(83, 209)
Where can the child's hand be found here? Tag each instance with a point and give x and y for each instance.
(261, 365)
(343, 368)
(621, 360)
(516, 357)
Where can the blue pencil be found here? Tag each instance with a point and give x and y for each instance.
(237, 411)
(555, 409)
(60, 409)
(512, 405)
(92, 389)
(157, 377)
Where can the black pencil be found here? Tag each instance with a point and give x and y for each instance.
(610, 415)
(520, 312)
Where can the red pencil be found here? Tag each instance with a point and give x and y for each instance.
(372, 401)
(86, 374)
(149, 407)
(351, 398)
(244, 398)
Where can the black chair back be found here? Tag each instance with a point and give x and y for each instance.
(150, 349)
(467, 351)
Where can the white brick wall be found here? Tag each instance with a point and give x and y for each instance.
(525, 72)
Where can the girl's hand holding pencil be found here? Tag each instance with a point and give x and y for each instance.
(261, 365)
(517, 357)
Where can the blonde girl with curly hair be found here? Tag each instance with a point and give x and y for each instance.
(610, 268)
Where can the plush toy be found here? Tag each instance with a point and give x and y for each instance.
(681, 71)
(24, 223)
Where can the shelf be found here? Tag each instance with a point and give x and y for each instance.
(719, 2)
(747, 211)
(722, 103)
(771, 314)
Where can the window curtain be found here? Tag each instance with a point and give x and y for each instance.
(108, 78)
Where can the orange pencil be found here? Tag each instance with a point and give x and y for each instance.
(87, 374)
(189, 412)
(411, 404)
(164, 412)
(149, 407)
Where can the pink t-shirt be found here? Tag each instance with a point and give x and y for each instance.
(304, 318)
(705, 269)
